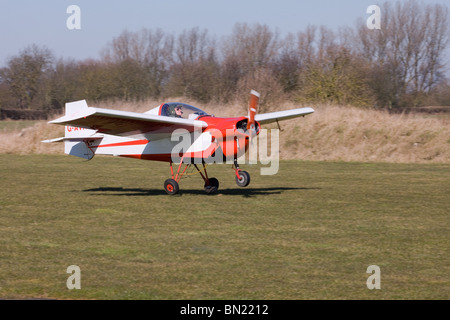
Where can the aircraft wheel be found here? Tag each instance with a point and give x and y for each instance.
(171, 186)
(244, 179)
(212, 186)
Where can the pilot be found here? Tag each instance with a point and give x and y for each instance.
(179, 111)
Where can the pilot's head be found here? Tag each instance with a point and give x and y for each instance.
(178, 111)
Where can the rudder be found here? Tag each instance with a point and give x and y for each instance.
(79, 142)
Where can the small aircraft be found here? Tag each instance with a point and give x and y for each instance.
(156, 135)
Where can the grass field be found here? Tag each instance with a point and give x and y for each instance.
(309, 232)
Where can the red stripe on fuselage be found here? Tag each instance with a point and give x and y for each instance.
(127, 143)
(155, 157)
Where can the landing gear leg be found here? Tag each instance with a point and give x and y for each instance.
(211, 184)
(242, 177)
(171, 185)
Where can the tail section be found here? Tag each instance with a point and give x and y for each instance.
(83, 147)
(79, 142)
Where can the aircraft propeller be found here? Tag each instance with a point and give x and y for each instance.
(252, 109)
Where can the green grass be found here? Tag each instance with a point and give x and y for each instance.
(309, 232)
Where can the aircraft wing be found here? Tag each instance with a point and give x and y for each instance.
(264, 118)
(125, 123)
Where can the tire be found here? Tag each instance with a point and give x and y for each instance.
(244, 179)
(211, 186)
(171, 186)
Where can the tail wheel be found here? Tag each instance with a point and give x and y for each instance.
(244, 179)
(171, 186)
(211, 185)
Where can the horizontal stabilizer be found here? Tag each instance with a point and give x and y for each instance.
(73, 139)
(78, 146)
(54, 140)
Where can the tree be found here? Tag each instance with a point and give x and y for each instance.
(143, 57)
(262, 78)
(26, 76)
(407, 53)
(65, 84)
(194, 72)
(340, 79)
(248, 49)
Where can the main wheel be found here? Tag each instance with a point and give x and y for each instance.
(171, 186)
(244, 179)
(212, 185)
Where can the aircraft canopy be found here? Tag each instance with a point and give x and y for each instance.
(181, 110)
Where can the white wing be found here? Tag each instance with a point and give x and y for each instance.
(264, 118)
(124, 123)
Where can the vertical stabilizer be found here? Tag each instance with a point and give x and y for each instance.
(78, 144)
(72, 110)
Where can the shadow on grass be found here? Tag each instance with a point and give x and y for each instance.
(245, 192)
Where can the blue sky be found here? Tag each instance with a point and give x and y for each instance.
(24, 22)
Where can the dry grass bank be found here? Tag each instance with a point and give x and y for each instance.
(354, 134)
(332, 133)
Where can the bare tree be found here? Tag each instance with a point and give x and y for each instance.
(143, 58)
(194, 71)
(157, 60)
(248, 49)
(407, 53)
(26, 76)
(65, 83)
(288, 63)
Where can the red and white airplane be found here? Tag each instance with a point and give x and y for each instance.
(173, 132)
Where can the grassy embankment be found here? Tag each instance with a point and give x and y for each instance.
(332, 133)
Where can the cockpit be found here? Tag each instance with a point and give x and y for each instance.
(180, 110)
